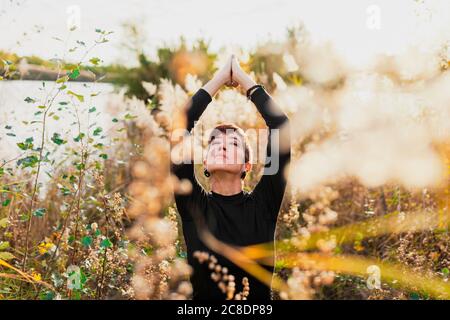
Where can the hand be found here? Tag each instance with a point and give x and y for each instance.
(236, 69)
(239, 75)
(222, 77)
(224, 74)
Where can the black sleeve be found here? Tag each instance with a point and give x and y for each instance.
(187, 203)
(270, 189)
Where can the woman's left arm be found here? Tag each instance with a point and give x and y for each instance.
(272, 186)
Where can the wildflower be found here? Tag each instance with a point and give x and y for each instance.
(36, 276)
(149, 87)
(44, 247)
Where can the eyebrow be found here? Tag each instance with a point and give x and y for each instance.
(235, 139)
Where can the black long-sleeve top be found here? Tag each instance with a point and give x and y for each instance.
(242, 219)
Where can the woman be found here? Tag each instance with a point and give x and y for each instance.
(233, 216)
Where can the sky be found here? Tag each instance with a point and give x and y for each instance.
(358, 29)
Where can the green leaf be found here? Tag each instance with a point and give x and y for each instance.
(7, 62)
(414, 296)
(8, 127)
(4, 245)
(6, 202)
(3, 223)
(27, 144)
(78, 96)
(130, 117)
(39, 212)
(63, 79)
(79, 137)
(57, 139)
(104, 156)
(93, 109)
(86, 241)
(11, 134)
(48, 295)
(97, 131)
(65, 191)
(106, 243)
(75, 73)
(80, 166)
(115, 120)
(94, 61)
(6, 256)
(29, 100)
(83, 277)
(445, 271)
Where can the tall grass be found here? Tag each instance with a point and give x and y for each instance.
(365, 213)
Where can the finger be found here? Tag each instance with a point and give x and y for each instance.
(233, 64)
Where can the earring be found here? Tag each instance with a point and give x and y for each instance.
(206, 172)
(243, 174)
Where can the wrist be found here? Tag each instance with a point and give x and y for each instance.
(222, 78)
(213, 85)
(244, 80)
(247, 83)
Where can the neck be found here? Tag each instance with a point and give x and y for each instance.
(225, 183)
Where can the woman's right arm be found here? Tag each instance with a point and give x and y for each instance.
(188, 202)
(191, 202)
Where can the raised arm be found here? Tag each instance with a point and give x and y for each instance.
(195, 107)
(187, 203)
(271, 187)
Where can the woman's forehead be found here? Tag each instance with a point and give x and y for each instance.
(233, 135)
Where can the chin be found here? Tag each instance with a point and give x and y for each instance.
(216, 169)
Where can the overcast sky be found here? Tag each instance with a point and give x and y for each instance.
(27, 26)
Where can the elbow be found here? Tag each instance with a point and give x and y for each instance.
(279, 122)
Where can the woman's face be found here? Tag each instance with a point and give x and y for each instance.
(226, 152)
